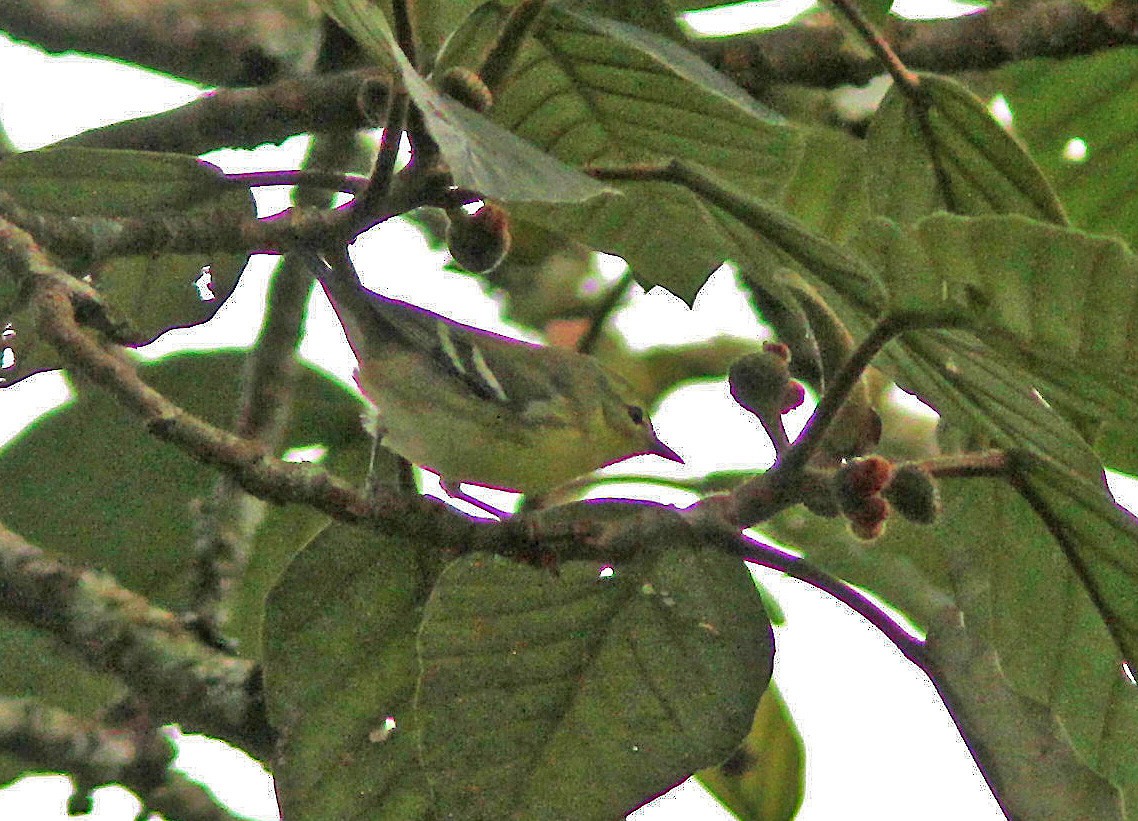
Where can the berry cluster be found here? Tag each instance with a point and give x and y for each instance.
(868, 490)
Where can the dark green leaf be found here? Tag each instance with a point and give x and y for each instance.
(948, 154)
(1052, 638)
(480, 155)
(340, 671)
(596, 98)
(579, 695)
(1056, 302)
(153, 293)
(131, 509)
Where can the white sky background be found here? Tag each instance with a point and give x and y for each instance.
(879, 742)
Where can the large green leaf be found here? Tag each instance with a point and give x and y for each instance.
(764, 780)
(340, 672)
(828, 189)
(131, 508)
(600, 93)
(1087, 98)
(1058, 303)
(480, 154)
(85, 483)
(1053, 642)
(1047, 619)
(948, 154)
(1029, 760)
(582, 695)
(153, 293)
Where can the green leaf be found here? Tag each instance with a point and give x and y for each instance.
(669, 55)
(1053, 639)
(579, 695)
(876, 10)
(590, 95)
(948, 154)
(979, 392)
(1028, 755)
(1086, 98)
(828, 189)
(1053, 643)
(480, 155)
(340, 672)
(1056, 302)
(1099, 540)
(154, 293)
(131, 509)
(763, 780)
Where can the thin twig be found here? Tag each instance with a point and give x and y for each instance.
(374, 197)
(798, 568)
(905, 79)
(604, 310)
(837, 389)
(514, 31)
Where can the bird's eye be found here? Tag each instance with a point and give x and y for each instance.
(636, 414)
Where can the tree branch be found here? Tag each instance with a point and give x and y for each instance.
(242, 43)
(247, 117)
(94, 754)
(813, 55)
(118, 631)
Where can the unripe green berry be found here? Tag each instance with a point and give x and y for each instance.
(758, 382)
(859, 480)
(479, 241)
(818, 495)
(467, 87)
(915, 494)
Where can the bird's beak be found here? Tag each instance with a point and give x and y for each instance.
(660, 449)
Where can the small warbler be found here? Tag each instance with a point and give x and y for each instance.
(482, 408)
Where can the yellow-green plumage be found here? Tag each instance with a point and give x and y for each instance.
(477, 407)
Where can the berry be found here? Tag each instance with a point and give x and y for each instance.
(467, 87)
(758, 382)
(868, 522)
(793, 395)
(915, 494)
(479, 241)
(859, 480)
(779, 349)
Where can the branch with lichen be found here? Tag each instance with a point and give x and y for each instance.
(94, 754)
(148, 648)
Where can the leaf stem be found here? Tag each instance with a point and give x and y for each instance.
(311, 178)
(604, 310)
(838, 389)
(402, 12)
(906, 79)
